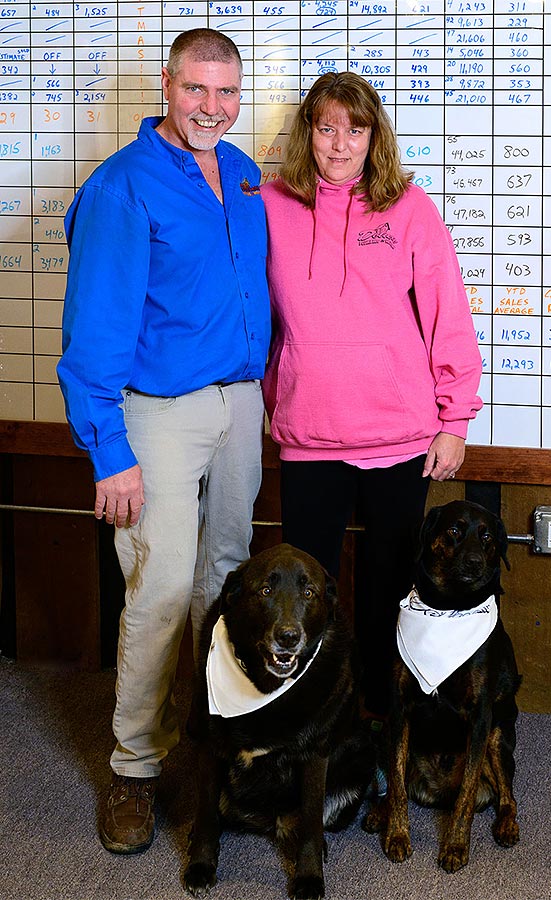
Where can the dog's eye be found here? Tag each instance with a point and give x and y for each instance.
(454, 532)
(308, 593)
(486, 538)
(266, 591)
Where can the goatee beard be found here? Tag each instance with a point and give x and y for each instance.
(201, 140)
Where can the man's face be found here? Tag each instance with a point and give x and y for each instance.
(203, 103)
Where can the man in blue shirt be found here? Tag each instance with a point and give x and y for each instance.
(165, 337)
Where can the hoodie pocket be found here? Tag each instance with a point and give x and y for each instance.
(346, 395)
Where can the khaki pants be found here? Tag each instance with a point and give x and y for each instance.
(200, 456)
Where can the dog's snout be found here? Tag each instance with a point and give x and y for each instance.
(474, 559)
(471, 564)
(288, 635)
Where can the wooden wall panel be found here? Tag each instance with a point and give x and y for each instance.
(56, 565)
(59, 571)
(526, 605)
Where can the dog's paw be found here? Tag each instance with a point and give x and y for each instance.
(375, 820)
(453, 857)
(506, 831)
(199, 878)
(307, 887)
(397, 847)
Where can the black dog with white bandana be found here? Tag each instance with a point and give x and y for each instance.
(453, 710)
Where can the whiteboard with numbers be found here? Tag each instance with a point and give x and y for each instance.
(467, 85)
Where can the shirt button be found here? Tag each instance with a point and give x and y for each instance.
(252, 336)
(237, 255)
(247, 294)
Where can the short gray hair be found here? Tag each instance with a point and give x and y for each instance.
(202, 44)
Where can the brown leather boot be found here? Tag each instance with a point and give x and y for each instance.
(128, 822)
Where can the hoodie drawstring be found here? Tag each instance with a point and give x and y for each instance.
(314, 223)
(327, 187)
(345, 249)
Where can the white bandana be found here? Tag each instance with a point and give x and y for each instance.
(231, 691)
(433, 643)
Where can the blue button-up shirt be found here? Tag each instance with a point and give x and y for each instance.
(166, 288)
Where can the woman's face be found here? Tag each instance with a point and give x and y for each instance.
(339, 148)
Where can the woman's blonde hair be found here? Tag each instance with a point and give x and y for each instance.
(384, 179)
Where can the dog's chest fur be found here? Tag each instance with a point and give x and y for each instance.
(300, 721)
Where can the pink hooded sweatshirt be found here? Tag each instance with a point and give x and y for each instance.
(373, 349)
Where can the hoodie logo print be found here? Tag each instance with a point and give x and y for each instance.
(380, 235)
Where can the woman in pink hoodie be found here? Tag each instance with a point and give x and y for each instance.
(374, 365)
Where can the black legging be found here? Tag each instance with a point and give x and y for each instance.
(317, 501)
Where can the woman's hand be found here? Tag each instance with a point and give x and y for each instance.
(444, 457)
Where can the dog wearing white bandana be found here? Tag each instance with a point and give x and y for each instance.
(453, 709)
(281, 747)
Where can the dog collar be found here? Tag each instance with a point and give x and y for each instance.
(433, 643)
(230, 690)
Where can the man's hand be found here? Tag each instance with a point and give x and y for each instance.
(444, 457)
(121, 496)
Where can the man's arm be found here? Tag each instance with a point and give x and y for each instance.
(107, 281)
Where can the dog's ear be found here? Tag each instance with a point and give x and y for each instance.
(428, 526)
(500, 535)
(502, 541)
(232, 588)
(330, 589)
